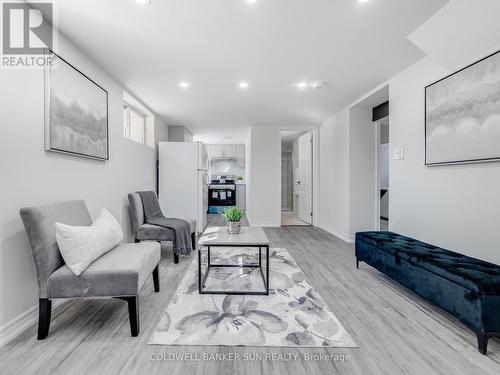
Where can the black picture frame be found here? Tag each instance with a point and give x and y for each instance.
(453, 162)
(47, 106)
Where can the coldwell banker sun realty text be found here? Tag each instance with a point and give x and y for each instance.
(27, 34)
(269, 356)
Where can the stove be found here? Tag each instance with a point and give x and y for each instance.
(221, 195)
(222, 186)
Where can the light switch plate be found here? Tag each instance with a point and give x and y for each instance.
(399, 154)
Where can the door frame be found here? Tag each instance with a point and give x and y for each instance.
(290, 156)
(306, 138)
(377, 171)
(377, 176)
(314, 129)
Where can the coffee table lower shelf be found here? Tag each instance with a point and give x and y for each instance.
(202, 276)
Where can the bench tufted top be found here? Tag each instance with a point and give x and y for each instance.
(477, 275)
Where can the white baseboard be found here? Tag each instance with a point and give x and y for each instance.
(265, 224)
(262, 223)
(10, 330)
(349, 238)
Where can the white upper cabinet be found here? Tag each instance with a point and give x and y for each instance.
(228, 152)
(214, 151)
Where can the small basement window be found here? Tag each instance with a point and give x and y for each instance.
(138, 121)
(133, 124)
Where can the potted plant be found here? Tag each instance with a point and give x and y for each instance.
(233, 216)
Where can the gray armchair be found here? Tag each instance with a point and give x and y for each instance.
(148, 232)
(120, 273)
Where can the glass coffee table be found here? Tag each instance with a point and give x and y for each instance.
(239, 262)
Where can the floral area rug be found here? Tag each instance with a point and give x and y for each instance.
(293, 315)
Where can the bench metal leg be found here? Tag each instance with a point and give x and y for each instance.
(156, 278)
(44, 316)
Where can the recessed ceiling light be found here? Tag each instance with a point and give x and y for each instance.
(143, 2)
(302, 85)
(243, 85)
(184, 84)
(251, 1)
(363, 1)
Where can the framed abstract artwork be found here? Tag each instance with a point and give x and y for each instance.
(462, 115)
(76, 112)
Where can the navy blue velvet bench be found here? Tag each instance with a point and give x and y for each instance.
(467, 288)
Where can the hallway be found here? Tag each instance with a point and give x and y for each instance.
(289, 218)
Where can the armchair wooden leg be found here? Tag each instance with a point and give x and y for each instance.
(176, 258)
(482, 342)
(193, 240)
(44, 316)
(156, 278)
(133, 314)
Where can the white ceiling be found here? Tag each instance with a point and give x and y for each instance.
(273, 44)
(452, 46)
(289, 136)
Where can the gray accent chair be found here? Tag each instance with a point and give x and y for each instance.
(148, 232)
(120, 273)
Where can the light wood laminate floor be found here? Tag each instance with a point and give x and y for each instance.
(289, 218)
(397, 332)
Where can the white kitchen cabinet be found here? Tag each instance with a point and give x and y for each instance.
(228, 151)
(214, 151)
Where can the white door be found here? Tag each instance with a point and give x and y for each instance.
(304, 178)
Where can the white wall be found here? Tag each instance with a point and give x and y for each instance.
(334, 175)
(456, 207)
(348, 189)
(264, 176)
(362, 171)
(161, 133)
(32, 176)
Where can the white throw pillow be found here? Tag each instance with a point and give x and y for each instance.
(80, 246)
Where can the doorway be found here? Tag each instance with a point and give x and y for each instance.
(296, 178)
(383, 172)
